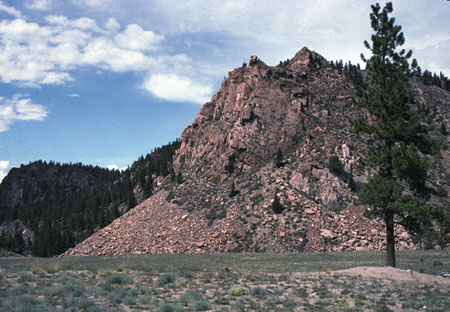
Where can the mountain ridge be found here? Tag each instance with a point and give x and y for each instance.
(301, 107)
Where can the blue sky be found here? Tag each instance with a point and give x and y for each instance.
(104, 81)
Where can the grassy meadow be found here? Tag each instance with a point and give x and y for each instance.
(220, 282)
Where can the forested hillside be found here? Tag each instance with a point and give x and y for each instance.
(47, 208)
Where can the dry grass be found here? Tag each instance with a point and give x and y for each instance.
(224, 282)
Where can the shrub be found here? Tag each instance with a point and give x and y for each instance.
(202, 306)
(276, 205)
(29, 304)
(444, 129)
(119, 279)
(236, 291)
(346, 304)
(259, 292)
(55, 291)
(146, 299)
(233, 191)
(351, 182)
(76, 289)
(96, 308)
(335, 166)
(279, 159)
(53, 268)
(85, 303)
(129, 301)
(179, 178)
(127, 296)
(186, 274)
(167, 307)
(35, 269)
(190, 295)
(120, 267)
(166, 278)
(25, 277)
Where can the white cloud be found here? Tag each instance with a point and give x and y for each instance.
(138, 39)
(73, 95)
(112, 167)
(4, 168)
(112, 24)
(40, 5)
(10, 10)
(177, 89)
(429, 48)
(115, 167)
(33, 54)
(274, 30)
(19, 108)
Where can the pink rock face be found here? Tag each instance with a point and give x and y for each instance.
(302, 106)
(258, 109)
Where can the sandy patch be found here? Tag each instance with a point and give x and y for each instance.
(395, 274)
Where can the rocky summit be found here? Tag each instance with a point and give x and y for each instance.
(270, 165)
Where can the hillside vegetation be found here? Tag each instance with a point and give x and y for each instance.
(46, 208)
(226, 282)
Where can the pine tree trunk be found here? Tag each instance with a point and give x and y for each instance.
(390, 239)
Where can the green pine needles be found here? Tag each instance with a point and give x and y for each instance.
(277, 207)
(400, 151)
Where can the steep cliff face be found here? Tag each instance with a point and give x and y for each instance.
(228, 180)
(261, 108)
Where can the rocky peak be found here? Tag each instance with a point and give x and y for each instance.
(258, 109)
(303, 107)
(306, 59)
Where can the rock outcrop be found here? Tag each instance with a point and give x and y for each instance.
(261, 108)
(302, 107)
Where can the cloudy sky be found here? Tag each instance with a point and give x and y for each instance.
(104, 81)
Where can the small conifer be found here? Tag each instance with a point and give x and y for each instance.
(233, 191)
(276, 205)
(279, 159)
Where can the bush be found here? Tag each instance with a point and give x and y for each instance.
(186, 274)
(202, 306)
(444, 129)
(180, 178)
(29, 304)
(76, 289)
(36, 269)
(335, 166)
(279, 159)
(259, 292)
(236, 291)
(127, 296)
(276, 205)
(166, 278)
(190, 295)
(167, 307)
(85, 303)
(233, 191)
(351, 182)
(119, 279)
(53, 268)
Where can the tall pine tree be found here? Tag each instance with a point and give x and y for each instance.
(400, 150)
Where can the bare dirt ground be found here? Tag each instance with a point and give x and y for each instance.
(394, 274)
